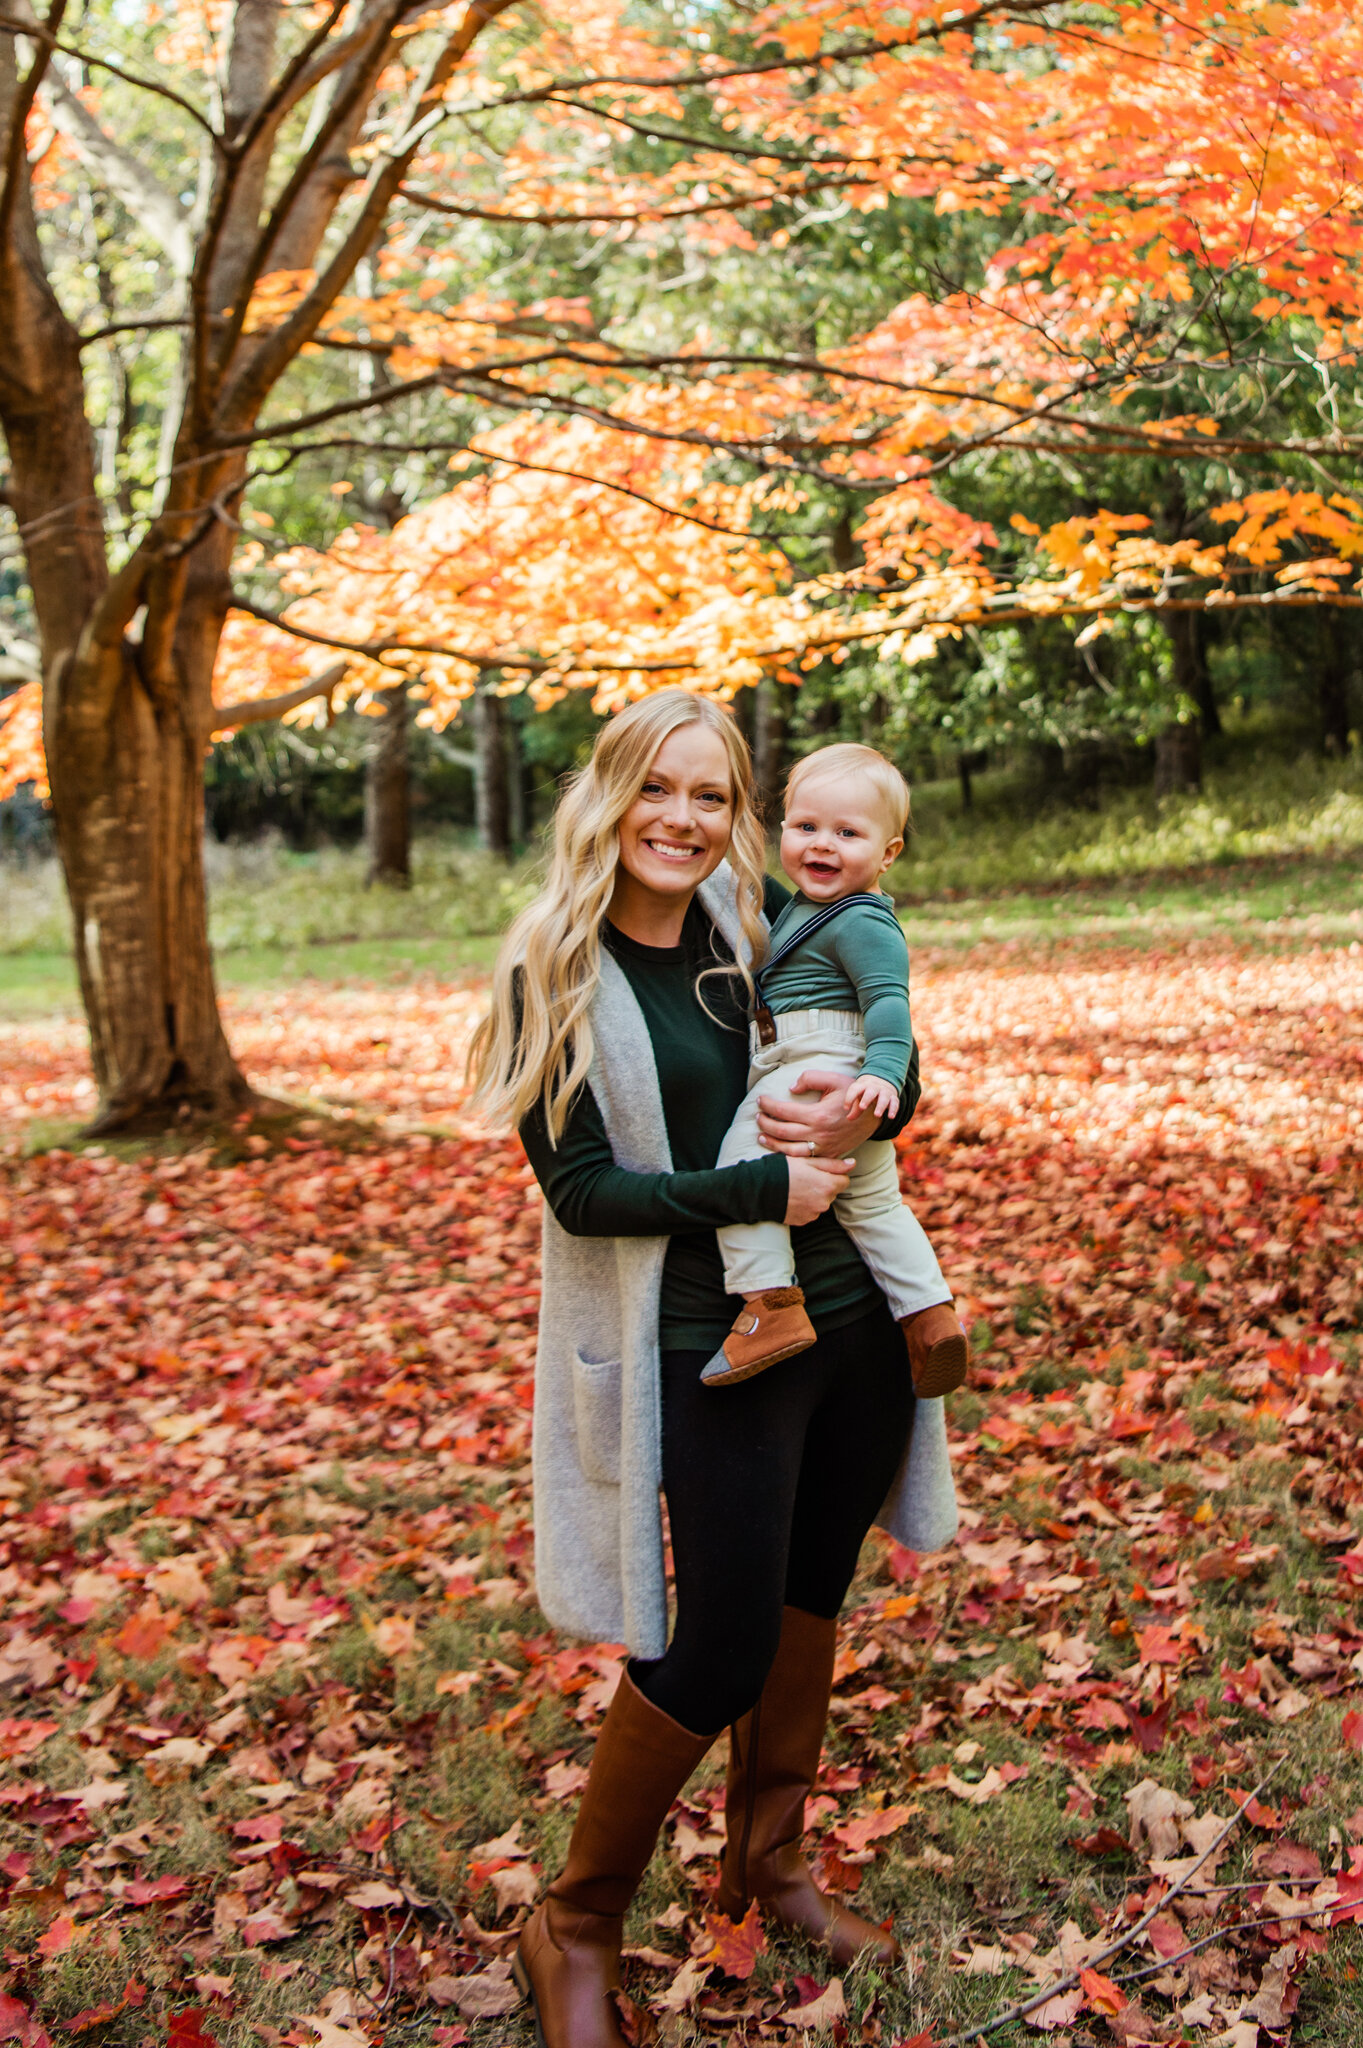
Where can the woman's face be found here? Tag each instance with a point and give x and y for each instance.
(677, 830)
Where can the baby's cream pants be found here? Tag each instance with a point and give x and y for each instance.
(891, 1240)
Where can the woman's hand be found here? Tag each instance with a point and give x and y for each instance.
(815, 1185)
(812, 1129)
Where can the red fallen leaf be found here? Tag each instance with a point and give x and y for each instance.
(1102, 1994)
(637, 2023)
(258, 1928)
(20, 1738)
(143, 1634)
(58, 1937)
(1351, 1728)
(449, 2037)
(1106, 1842)
(1287, 1859)
(1159, 1645)
(1167, 1937)
(1259, 1815)
(1149, 1729)
(187, 2029)
(100, 2015)
(737, 1943)
(1350, 1884)
(264, 1827)
(927, 2039)
(858, 1834)
(17, 2023)
(835, 1875)
(150, 1891)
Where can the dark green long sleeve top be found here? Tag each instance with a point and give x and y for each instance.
(701, 1053)
(858, 961)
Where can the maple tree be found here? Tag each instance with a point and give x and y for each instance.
(288, 1747)
(1163, 210)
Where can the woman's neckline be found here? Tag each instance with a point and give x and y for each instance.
(621, 942)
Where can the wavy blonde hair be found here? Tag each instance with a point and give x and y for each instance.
(535, 1044)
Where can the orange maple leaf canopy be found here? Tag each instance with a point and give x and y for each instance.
(624, 527)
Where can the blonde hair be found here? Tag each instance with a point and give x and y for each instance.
(846, 758)
(534, 1047)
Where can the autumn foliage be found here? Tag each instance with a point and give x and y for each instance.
(1168, 205)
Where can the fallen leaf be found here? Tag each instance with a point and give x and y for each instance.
(826, 2010)
(737, 1944)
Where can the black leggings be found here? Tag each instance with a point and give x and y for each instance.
(771, 1486)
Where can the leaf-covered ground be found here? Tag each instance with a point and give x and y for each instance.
(288, 1743)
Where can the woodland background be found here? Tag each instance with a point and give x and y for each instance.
(389, 391)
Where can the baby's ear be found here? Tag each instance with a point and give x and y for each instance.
(893, 849)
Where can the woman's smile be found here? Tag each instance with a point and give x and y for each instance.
(671, 849)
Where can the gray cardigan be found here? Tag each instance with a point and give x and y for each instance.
(597, 1453)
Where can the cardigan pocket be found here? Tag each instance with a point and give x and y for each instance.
(596, 1401)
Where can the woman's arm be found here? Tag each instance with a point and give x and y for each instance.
(591, 1196)
(790, 1123)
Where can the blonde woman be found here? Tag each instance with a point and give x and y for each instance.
(618, 1045)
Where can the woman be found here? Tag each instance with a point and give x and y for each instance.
(617, 1043)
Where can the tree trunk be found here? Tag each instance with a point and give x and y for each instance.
(1339, 663)
(1188, 639)
(515, 781)
(1178, 760)
(769, 749)
(128, 807)
(492, 811)
(967, 787)
(388, 795)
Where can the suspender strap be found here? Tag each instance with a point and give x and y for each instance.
(766, 1024)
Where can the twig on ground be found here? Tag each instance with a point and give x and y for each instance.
(1217, 1934)
(1137, 1928)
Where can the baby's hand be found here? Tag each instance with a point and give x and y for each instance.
(872, 1093)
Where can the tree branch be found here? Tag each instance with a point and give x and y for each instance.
(144, 196)
(43, 34)
(16, 160)
(230, 717)
(643, 216)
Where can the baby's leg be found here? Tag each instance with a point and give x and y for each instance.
(758, 1261)
(888, 1235)
(896, 1249)
(756, 1255)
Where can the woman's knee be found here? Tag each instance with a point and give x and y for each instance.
(709, 1683)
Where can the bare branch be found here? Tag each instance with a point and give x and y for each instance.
(641, 217)
(44, 34)
(231, 717)
(128, 327)
(425, 109)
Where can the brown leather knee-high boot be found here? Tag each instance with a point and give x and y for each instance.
(773, 1761)
(568, 1961)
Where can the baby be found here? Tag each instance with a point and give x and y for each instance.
(836, 997)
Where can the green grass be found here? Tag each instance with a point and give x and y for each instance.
(1264, 796)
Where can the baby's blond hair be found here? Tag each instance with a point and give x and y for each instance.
(846, 758)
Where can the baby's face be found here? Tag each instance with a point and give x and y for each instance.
(834, 839)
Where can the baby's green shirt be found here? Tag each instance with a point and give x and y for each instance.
(859, 961)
